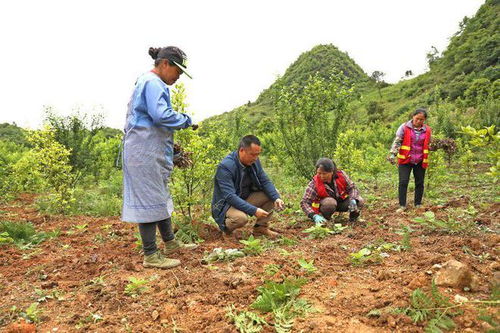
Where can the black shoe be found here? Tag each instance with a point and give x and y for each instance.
(353, 216)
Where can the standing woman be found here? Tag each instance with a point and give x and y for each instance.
(411, 147)
(148, 155)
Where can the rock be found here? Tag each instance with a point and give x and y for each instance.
(49, 285)
(495, 280)
(495, 266)
(391, 321)
(475, 244)
(457, 275)
(460, 299)
(20, 327)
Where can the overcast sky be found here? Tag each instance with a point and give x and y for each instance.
(87, 54)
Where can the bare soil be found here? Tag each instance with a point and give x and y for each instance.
(193, 297)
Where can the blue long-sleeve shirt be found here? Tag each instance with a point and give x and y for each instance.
(151, 106)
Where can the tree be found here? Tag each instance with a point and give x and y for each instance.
(310, 118)
(378, 77)
(432, 56)
(77, 133)
(191, 185)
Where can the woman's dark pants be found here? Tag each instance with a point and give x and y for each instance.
(404, 179)
(148, 234)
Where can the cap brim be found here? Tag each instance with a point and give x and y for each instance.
(183, 69)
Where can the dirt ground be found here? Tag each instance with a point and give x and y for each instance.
(86, 270)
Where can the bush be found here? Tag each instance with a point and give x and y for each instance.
(310, 118)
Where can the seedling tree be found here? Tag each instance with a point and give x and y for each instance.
(191, 185)
(310, 118)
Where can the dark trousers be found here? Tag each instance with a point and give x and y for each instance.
(404, 179)
(148, 234)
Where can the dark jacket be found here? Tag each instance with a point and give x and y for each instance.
(227, 187)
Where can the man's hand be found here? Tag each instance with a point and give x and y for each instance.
(392, 158)
(279, 205)
(261, 213)
(318, 219)
(194, 127)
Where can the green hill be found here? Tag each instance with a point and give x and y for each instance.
(466, 73)
(322, 59)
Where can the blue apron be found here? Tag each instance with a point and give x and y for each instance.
(148, 151)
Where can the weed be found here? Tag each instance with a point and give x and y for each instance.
(245, 321)
(187, 232)
(135, 287)
(138, 242)
(45, 296)
(23, 234)
(287, 241)
(272, 295)
(271, 269)
(450, 226)
(81, 227)
(364, 256)
(253, 246)
(406, 233)
(32, 313)
(432, 307)
(318, 232)
(307, 266)
(481, 257)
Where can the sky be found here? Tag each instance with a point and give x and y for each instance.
(86, 55)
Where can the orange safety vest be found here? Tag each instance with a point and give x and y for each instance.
(404, 150)
(321, 190)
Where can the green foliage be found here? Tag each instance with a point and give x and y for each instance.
(347, 157)
(488, 141)
(187, 231)
(135, 287)
(432, 307)
(10, 154)
(365, 256)
(271, 269)
(310, 119)
(13, 134)
(32, 313)
(104, 199)
(282, 300)
(319, 231)
(51, 160)
(406, 241)
(191, 186)
(273, 295)
(373, 253)
(285, 241)
(253, 246)
(245, 321)
(451, 225)
(23, 234)
(76, 133)
(307, 266)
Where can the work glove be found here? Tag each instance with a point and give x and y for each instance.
(392, 159)
(318, 219)
(353, 205)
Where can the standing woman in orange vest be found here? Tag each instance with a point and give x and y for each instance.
(411, 148)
